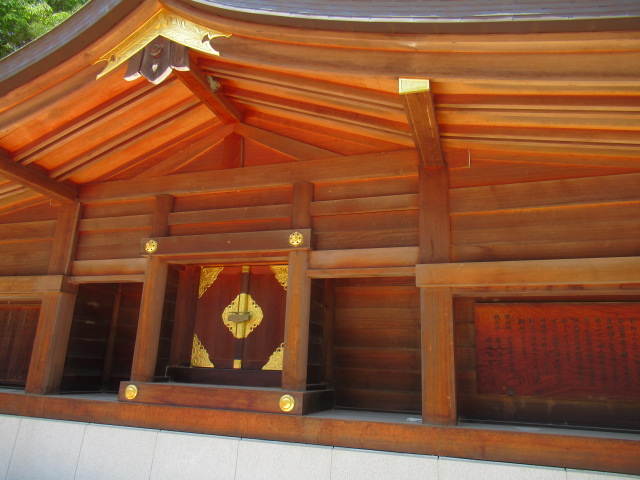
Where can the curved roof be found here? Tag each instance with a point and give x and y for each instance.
(451, 16)
(296, 93)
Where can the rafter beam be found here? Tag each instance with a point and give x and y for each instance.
(288, 146)
(36, 180)
(207, 89)
(418, 105)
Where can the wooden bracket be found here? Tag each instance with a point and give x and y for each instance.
(420, 110)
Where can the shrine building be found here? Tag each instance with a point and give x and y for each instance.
(245, 239)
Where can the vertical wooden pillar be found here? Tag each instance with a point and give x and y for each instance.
(65, 239)
(56, 312)
(296, 330)
(436, 304)
(185, 316)
(163, 207)
(328, 322)
(145, 353)
(50, 343)
(438, 362)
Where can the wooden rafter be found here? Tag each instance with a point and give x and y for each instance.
(36, 180)
(208, 90)
(420, 110)
(288, 146)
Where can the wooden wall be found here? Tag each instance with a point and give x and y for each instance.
(527, 216)
(377, 344)
(25, 240)
(18, 322)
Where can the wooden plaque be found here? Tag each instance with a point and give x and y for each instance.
(571, 350)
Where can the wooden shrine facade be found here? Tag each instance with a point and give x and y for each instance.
(243, 231)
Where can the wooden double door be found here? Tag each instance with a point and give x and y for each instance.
(239, 322)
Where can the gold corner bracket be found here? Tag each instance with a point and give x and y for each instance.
(166, 24)
(208, 276)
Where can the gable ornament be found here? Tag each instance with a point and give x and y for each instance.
(169, 26)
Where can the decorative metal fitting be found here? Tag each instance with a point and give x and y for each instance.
(287, 402)
(151, 246)
(296, 239)
(131, 392)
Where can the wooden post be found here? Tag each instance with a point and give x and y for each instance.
(65, 239)
(111, 340)
(436, 304)
(328, 321)
(185, 316)
(296, 330)
(145, 353)
(56, 311)
(50, 343)
(163, 207)
(438, 363)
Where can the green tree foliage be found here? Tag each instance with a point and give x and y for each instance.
(23, 20)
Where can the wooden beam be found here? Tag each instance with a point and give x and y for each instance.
(373, 272)
(173, 162)
(207, 89)
(420, 110)
(34, 284)
(97, 268)
(65, 239)
(266, 400)
(399, 163)
(288, 146)
(145, 353)
(567, 273)
(36, 180)
(50, 343)
(268, 241)
(361, 258)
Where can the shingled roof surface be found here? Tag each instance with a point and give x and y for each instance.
(434, 10)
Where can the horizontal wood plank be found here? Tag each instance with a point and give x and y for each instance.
(569, 272)
(389, 164)
(364, 258)
(274, 241)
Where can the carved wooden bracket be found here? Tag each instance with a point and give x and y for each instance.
(157, 60)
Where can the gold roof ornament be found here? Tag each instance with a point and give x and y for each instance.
(168, 25)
